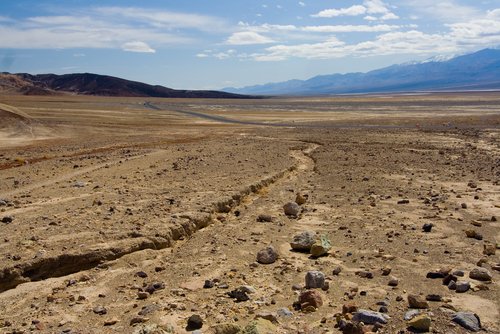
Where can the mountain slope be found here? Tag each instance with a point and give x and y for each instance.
(480, 70)
(94, 84)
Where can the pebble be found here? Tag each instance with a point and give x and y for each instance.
(386, 271)
(7, 219)
(310, 298)
(416, 301)
(300, 199)
(468, 321)
(489, 249)
(315, 280)
(365, 274)
(194, 322)
(473, 234)
(226, 328)
(267, 255)
(370, 317)
(411, 314)
(110, 322)
(434, 298)
(393, 281)
(448, 278)
(321, 247)
(142, 295)
(303, 242)
(152, 288)
(264, 218)
(291, 209)
(260, 326)
(421, 322)
(239, 295)
(427, 227)
(336, 271)
(268, 316)
(480, 274)
(101, 310)
(349, 308)
(208, 284)
(462, 286)
(284, 312)
(452, 285)
(141, 274)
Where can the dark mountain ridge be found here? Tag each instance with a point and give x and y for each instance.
(476, 71)
(104, 85)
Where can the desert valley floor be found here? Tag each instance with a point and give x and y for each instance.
(133, 215)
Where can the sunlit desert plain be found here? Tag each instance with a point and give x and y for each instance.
(134, 215)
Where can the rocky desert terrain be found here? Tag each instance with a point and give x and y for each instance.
(307, 215)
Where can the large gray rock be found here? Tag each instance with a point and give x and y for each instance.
(468, 321)
(303, 242)
(267, 255)
(315, 280)
(480, 274)
(321, 246)
(291, 209)
(370, 317)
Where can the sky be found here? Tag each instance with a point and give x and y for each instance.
(211, 44)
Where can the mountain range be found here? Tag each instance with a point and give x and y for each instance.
(95, 84)
(475, 71)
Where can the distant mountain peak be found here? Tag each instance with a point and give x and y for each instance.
(95, 84)
(475, 71)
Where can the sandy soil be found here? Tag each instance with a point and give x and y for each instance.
(103, 197)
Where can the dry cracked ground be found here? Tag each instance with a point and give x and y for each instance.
(166, 216)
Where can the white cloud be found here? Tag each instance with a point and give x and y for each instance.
(389, 16)
(107, 27)
(371, 7)
(137, 46)
(351, 28)
(202, 55)
(350, 11)
(302, 4)
(247, 38)
(375, 7)
(165, 19)
(446, 10)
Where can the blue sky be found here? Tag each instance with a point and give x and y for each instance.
(203, 44)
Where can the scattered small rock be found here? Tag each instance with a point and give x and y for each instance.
(462, 286)
(365, 274)
(101, 310)
(7, 219)
(264, 218)
(267, 255)
(489, 249)
(152, 288)
(480, 274)
(194, 322)
(303, 242)
(291, 209)
(370, 317)
(226, 328)
(473, 234)
(301, 199)
(321, 246)
(337, 271)
(416, 301)
(260, 326)
(468, 321)
(310, 298)
(421, 322)
(393, 281)
(427, 227)
(315, 280)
